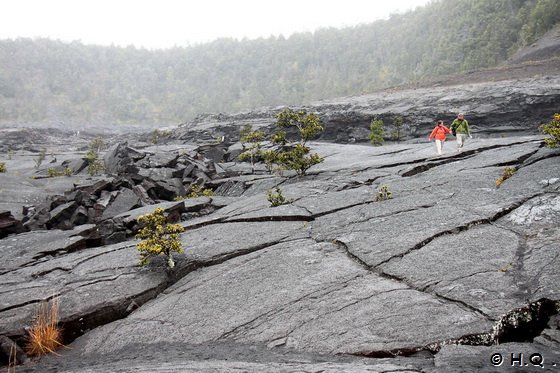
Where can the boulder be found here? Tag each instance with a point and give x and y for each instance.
(77, 165)
(214, 152)
(96, 186)
(125, 200)
(9, 224)
(60, 217)
(120, 159)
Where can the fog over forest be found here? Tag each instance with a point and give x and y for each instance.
(51, 82)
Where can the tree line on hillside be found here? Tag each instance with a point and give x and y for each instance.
(44, 80)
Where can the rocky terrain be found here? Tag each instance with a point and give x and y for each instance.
(452, 274)
(449, 271)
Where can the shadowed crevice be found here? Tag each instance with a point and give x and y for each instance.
(519, 325)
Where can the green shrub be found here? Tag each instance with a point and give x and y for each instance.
(276, 198)
(383, 194)
(198, 191)
(376, 132)
(97, 144)
(67, 171)
(507, 173)
(553, 129)
(41, 157)
(293, 155)
(159, 134)
(3, 167)
(160, 237)
(397, 128)
(279, 138)
(308, 125)
(298, 159)
(251, 142)
(51, 172)
(95, 165)
(270, 158)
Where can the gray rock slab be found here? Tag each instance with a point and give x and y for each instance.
(372, 233)
(529, 180)
(171, 148)
(537, 223)
(90, 284)
(216, 242)
(507, 357)
(475, 267)
(353, 158)
(18, 191)
(31, 247)
(244, 206)
(282, 212)
(541, 211)
(130, 216)
(300, 294)
(160, 160)
(503, 155)
(326, 202)
(225, 366)
(123, 202)
(218, 357)
(157, 174)
(76, 164)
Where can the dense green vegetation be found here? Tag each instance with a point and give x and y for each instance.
(45, 80)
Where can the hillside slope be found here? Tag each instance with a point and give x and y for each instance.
(547, 47)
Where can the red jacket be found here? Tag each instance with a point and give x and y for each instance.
(439, 132)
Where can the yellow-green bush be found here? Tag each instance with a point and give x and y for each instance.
(3, 167)
(276, 198)
(95, 165)
(298, 158)
(383, 194)
(52, 172)
(508, 172)
(160, 237)
(198, 191)
(552, 129)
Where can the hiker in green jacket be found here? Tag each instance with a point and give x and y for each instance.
(460, 128)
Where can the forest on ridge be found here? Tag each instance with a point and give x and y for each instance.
(48, 81)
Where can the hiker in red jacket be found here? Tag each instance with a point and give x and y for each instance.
(439, 133)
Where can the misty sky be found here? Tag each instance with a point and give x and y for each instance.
(168, 23)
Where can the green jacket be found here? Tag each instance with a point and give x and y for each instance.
(461, 126)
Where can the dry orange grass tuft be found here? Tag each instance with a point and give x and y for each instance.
(44, 335)
(12, 360)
